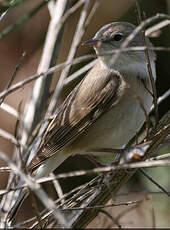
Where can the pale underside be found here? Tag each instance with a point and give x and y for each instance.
(94, 116)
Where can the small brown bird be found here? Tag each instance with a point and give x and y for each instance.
(103, 111)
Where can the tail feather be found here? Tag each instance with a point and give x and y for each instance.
(43, 170)
(14, 210)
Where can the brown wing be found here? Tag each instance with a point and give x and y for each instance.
(95, 94)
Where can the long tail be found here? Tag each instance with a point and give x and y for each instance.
(13, 212)
(44, 170)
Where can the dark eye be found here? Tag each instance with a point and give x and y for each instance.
(118, 37)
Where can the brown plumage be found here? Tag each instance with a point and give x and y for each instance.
(103, 111)
(79, 111)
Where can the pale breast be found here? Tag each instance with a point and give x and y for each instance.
(116, 127)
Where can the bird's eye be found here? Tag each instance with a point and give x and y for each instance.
(118, 37)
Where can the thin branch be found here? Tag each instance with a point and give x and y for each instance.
(40, 93)
(128, 210)
(74, 62)
(91, 14)
(153, 218)
(36, 188)
(161, 99)
(115, 179)
(76, 74)
(157, 27)
(76, 40)
(35, 209)
(100, 206)
(75, 7)
(22, 20)
(9, 109)
(154, 182)
(9, 137)
(17, 67)
(144, 192)
(48, 72)
(5, 169)
(161, 136)
(58, 189)
(51, 6)
(167, 155)
(111, 217)
(60, 84)
(148, 62)
(34, 109)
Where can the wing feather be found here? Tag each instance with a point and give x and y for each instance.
(92, 97)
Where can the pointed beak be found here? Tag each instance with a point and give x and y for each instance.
(92, 42)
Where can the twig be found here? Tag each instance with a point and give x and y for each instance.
(9, 137)
(3, 15)
(40, 94)
(154, 182)
(111, 217)
(119, 178)
(149, 67)
(91, 14)
(51, 6)
(22, 20)
(100, 206)
(35, 209)
(72, 10)
(76, 74)
(64, 73)
(144, 164)
(74, 62)
(144, 192)
(162, 98)
(48, 72)
(34, 110)
(5, 169)
(153, 218)
(49, 213)
(11, 5)
(128, 210)
(36, 188)
(147, 120)
(9, 109)
(58, 189)
(76, 41)
(161, 156)
(17, 67)
(157, 27)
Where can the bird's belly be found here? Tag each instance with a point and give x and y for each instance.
(115, 128)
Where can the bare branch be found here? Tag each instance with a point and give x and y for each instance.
(82, 70)
(48, 203)
(154, 182)
(17, 67)
(149, 67)
(34, 109)
(9, 109)
(76, 40)
(58, 188)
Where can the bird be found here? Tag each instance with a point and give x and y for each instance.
(104, 110)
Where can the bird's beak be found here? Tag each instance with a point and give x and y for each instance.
(92, 42)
